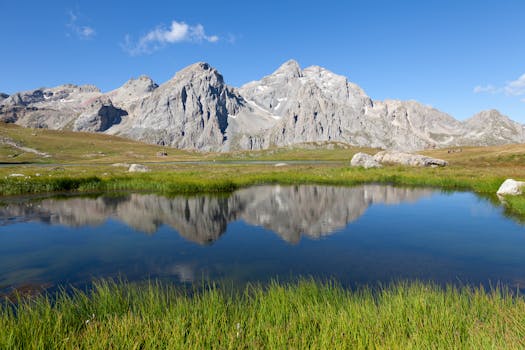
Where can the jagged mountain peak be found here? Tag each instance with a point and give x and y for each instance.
(132, 90)
(143, 82)
(190, 110)
(489, 115)
(199, 70)
(493, 128)
(289, 69)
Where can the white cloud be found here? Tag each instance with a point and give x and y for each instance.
(161, 36)
(490, 89)
(516, 87)
(81, 31)
(511, 88)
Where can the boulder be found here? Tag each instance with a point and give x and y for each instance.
(511, 187)
(410, 159)
(138, 168)
(364, 160)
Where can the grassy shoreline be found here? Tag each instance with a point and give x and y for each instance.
(306, 314)
(225, 178)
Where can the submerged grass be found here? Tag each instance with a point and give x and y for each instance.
(306, 314)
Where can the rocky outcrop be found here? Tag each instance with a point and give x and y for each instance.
(132, 90)
(492, 128)
(290, 211)
(364, 160)
(54, 108)
(511, 187)
(189, 111)
(3, 96)
(313, 104)
(99, 116)
(197, 110)
(409, 159)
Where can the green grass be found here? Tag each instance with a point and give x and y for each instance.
(172, 179)
(225, 177)
(307, 314)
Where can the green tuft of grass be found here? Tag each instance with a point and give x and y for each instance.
(307, 314)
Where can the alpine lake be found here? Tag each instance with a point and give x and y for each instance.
(364, 235)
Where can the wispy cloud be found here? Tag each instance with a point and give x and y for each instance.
(80, 31)
(511, 88)
(161, 36)
(516, 87)
(490, 89)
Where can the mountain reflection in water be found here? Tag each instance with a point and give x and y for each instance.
(289, 211)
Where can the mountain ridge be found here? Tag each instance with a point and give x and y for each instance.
(196, 109)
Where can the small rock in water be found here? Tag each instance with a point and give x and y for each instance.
(280, 164)
(364, 160)
(511, 187)
(138, 168)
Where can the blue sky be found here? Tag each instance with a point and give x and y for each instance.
(458, 56)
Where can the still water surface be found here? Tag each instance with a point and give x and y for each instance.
(359, 235)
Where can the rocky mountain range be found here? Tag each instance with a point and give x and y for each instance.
(196, 109)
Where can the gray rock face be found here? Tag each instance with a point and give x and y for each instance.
(309, 105)
(492, 128)
(99, 116)
(197, 110)
(3, 96)
(54, 108)
(364, 160)
(511, 187)
(408, 159)
(130, 95)
(189, 111)
(316, 105)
